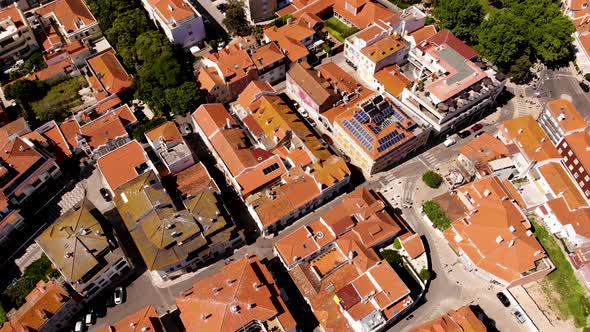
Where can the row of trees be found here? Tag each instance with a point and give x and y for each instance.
(163, 73)
(514, 35)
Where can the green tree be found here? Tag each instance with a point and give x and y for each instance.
(40, 269)
(391, 256)
(3, 318)
(462, 17)
(139, 131)
(124, 32)
(425, 274)
(150, 45)
(438, 218)
(183, 99)
(34, 62)
(501, 38)
(432, 179)
(520, 71)
(24, 91)
(235, 19)
(397, 244)
(107, 11)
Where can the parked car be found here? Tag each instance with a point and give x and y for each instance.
(584, 87)
(327, 139)
(464, 133)
(476, 127)
(119, 295)
(105, 194)
(186, 129)
(449, 141)
(90, 318)
(519, 316)
(504, 299)
(79, 327)
(479, 134)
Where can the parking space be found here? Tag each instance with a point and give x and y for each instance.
(93, 184)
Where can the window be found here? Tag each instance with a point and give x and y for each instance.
(564, 144)
(587, 192)
(270, 169)
(587, 178)
(576, 161)
(581, 183)
(571, 167)
(576, 175)
(570, 153)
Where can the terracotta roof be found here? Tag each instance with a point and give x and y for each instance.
(578, 218)
(21, 156)
(289, 38)
(562, 185)
(367, 12)
(68, 13)
(447, 37)
(42, 303)
(168, 131)
(175, 10)
(384, 48)
(75, 242)
(462, 319)
(233, 62)
(242, 292)
(423, 33)
(55, 136)
(103, 130)
(317, 7)
(14, 13)
(267, 55)
(482, 150)
(70, 129)
(54, 70)
(212, 117)
(109, 71)
(530, 137)
(392, 79)
(337, 77)
(121, 165)
(566, 115)
(209, 78)
(16, 127)
(253, 91)
(125, 114)
(194, 179)
(413, 246)
(318, 89)
(495, 234)
(146, 317)
(579, 143)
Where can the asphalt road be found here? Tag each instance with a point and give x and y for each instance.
(562, 83)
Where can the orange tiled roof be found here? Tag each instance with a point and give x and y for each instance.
(54, 70)
(14, 13)
(109, 71)
(176, 10)
(367, 12)
(55, 135)
(462, 319)
(146, 317)
(119, 166)
(578, 218)
(317, 7)
(167, 131)
(70, 128)
(413, 246)
(233, 62)
(252, 91)
(289, 38)
(125, 114)
(69, 13)
(194, 180)
(240, 293)
(529, 136)
(566, 114)
(267, 55)
(579, 143)
(318, 89)
(42, 302)
(338, 77)
(103, 130)
(495, 235)
(423, 33)
(447, 37)
(562, 185)
(392, 79)
(384, 48)
(20, 156)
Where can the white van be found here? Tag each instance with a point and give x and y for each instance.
(449, 141)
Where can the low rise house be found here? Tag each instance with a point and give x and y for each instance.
(242, 296)
(452, 87)
(275, 163)
(559, 118)
(461, 319)
(168, 144)
(145, 319)
(493, 239)
(172, 241)
(374, 48)
(270, 63)
(375, 133)
(49, 307)
(308, 88)
(180, 21)
(123, 165)
(483, 156)
(17, 40)
(391, 81)
(296, 38)
(108, 75)
(69, 20)
(334, 264)
(84, 251)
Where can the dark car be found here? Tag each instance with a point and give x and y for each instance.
(479, 134)
(222, 7)
(476, 127)
(464, 133)
(327, 139)
(505, 301)
(105, 194)
(584, 87)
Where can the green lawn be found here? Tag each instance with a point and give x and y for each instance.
(561, 287)
(338, 29)
(61, 97)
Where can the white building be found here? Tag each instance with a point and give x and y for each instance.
(16, 37)
(171, 148)
(71, 19)
(179, 20)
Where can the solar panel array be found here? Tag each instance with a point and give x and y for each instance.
(270, 168)
(359, 132)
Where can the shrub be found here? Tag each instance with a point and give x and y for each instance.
(432, 179)
(436, 215)
(587, 76)
(425, 274)
(397, 244)
(391, 256)
(327, 48)
(3, 318)
(40, 269)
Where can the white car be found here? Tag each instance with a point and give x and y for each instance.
(119, 294)
(303, 112)
(448, 142)
(79, 327)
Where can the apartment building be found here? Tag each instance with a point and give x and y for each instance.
(453, 87)
(242, 296)
(461, 319)
(270, 63)
(573, 149)
(308, 88)
(180, 21)
(579, 11)
(49, 307)
(493, 238)
(483, 156)
(123, 164)
(296, 38)
(334, 264)
(86, 254)
(167, 142)
(67, 20)
(260, 10)
(172, 241)
(144, 319)
(275, 163)
(17, 40)
(375, 134)
(559, 118)
(374, 48)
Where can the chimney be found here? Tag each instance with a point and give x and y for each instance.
(251, 306)
(499, 239)
(227, 124)
(529, 233)
(537, 253)
(511, 228)
(511, 243)
(487, 193)
(520, 131)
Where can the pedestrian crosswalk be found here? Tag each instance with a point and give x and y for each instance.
(430, 160)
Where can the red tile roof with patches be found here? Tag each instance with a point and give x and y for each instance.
(119, 166)
(103, 130)
(168, 131)
(68, 13)
(145, 318)
(194, 179)
(568, 118)
(242, 292)
(55, 135)
(367, 12)
(413, 246)
(526, 133)
(392, 80)
(253, 91)
(173, 10)
(70, 128)
(423, 33)
(338, 77)
(109, 72)
(462, 319)
(447, 37)
(578, 218)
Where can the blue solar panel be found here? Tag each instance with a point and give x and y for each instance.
(361, 116)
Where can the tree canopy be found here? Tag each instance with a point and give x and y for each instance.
(462, 17)
(235, 19)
